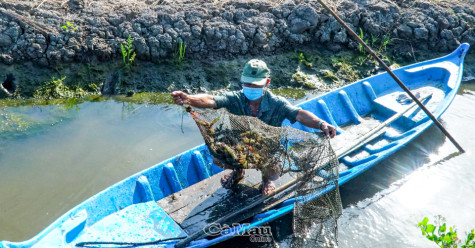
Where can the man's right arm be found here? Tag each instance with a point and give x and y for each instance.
(199, 101)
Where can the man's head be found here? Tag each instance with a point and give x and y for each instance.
(255, 72)
(255, 76)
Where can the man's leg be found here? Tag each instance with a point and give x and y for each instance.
(228, 180)
(269, 174)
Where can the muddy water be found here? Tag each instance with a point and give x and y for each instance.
(427, 178)
(67, 155)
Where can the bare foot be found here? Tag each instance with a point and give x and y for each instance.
(267, 187)
(227, 181)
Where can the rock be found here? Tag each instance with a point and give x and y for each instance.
(141, 48)
(76, 5)
(421, 33)
(404, 31)
(5, 40)
(446, 34)
(109, 87)
(209, 28)
(341, 37)
(303, 18)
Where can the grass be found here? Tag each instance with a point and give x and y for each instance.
(377, 43)
(180, 53)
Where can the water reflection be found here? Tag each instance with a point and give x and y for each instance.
(69, 154)
(427, 178)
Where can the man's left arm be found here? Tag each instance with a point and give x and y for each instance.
(309, 119)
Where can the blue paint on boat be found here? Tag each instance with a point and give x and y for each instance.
(127, 211)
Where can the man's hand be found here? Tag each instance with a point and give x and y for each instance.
(180, 97)
(328, 129)
(309, 119)
(199, 101)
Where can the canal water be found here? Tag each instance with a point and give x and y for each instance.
(54, 157)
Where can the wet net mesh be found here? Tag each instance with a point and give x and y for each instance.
(244, 142)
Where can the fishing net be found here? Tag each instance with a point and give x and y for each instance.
(244, 142)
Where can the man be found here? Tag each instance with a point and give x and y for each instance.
(255, 100)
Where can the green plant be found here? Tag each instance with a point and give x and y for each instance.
(128, 54)
(443, 236)
(305, 59)
(380, 45)
(330, 75)
(360, 46)
(69, 25)
(55, 89)
(180, 52)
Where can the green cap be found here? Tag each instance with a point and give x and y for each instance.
(255, 72)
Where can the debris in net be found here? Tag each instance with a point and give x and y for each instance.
(245, 142)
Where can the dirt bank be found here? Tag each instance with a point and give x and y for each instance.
(81, 40)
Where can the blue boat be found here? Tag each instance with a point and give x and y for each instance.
(144, 209)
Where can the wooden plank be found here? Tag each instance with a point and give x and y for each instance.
(204, 202)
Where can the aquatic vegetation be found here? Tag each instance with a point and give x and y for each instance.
(31, 118)
(306, 80)
(293, 93)
(346, 70)
(128, 54)
(11, 122)
(55, 89)
(146, 97)
(330, 75)
(445, 237)
(92, 87)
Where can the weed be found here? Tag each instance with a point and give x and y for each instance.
(55, 89)
(291, 92)
(347, 72)
(330, 75)
(68, 26)
(376, 42)
(128, 54)
(92, 87)
(361, 48)
(305, 59)
(180, 53)
(307, 81)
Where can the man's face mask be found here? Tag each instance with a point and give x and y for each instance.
(252, 93)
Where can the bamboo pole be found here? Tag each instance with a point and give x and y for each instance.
(398, 81)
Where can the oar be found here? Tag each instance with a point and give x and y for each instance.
(296, 182)
(398, 81)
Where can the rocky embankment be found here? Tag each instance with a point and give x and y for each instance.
(81, 39)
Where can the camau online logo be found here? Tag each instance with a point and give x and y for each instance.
(256, 234)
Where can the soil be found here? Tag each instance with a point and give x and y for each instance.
(303, 45)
